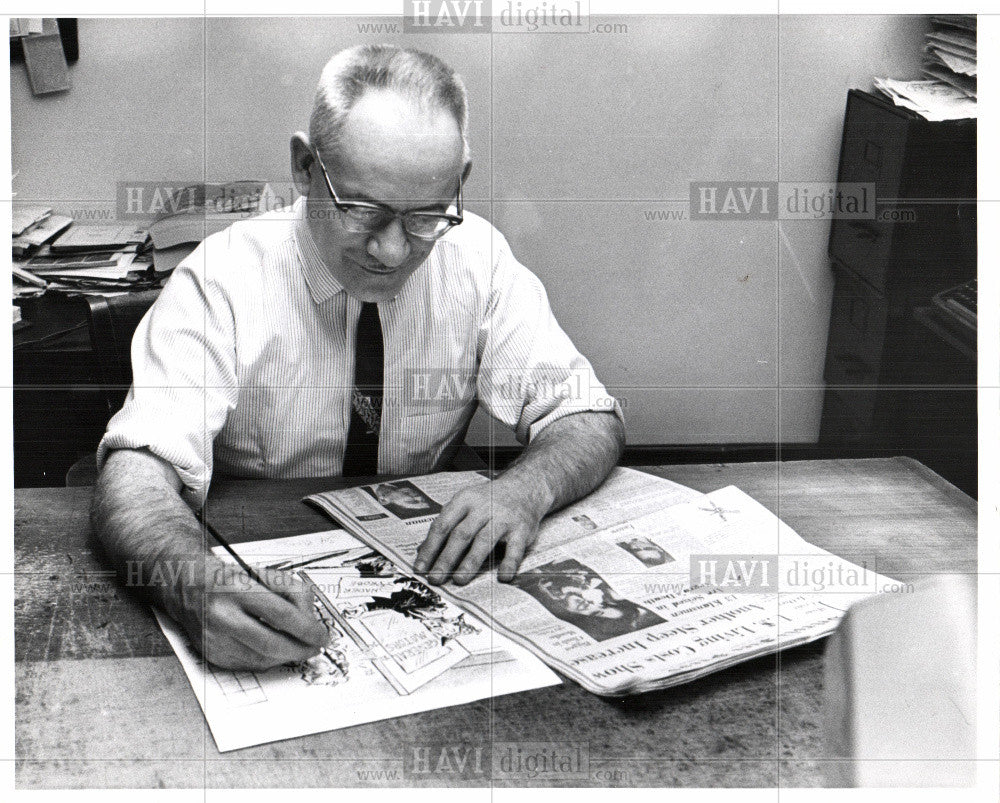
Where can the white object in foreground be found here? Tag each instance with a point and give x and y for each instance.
(900, 686)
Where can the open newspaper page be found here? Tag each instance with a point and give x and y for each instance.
(650, 601)
(399, 513)
(396, 647)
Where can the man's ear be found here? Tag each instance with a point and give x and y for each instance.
(302, 159)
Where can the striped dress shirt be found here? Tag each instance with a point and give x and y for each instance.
(244, 363)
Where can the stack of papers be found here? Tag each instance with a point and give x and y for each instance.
(949, 90)
(88, 251)
(951, 52)
(51, 252)
(932, 100)
(89, 237)
(24, 217)
(33, 226)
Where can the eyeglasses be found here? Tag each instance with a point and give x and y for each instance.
(368, 217)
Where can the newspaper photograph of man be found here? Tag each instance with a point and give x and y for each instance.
(644, 550)
(404, 500)
(577, 595)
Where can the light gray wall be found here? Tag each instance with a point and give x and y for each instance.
(710, 332)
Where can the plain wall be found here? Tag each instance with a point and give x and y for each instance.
(709, 332)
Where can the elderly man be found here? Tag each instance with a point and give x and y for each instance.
(287, 346)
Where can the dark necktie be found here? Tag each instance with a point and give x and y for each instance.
(361, 453)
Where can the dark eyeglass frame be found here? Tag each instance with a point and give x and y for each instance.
(388, 213)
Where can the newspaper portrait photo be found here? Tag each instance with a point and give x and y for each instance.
(577, 595)
(403, 499)
(645, 551)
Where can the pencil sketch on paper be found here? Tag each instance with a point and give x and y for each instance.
(239, 688)
(330, 667)
(396, 647)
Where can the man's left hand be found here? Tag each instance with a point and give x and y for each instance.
(466, 531)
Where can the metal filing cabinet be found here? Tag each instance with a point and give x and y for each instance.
(892, 386)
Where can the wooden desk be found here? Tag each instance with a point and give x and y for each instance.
(102, 702)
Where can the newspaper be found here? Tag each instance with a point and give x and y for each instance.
(641, 585)
(396, 648)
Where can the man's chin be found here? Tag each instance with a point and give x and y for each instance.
(374, 291)
(368, 295)
(374, 285)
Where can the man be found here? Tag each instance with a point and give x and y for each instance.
(262, 355)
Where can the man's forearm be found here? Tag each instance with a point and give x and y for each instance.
(148, 532)
(568, 459)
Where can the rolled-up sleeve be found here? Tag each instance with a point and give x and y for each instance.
(530, 373)
(184, 378)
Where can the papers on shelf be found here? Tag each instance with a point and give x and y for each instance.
(932, 100)
(99, 237)
(43, 230)
(24, 217)
(950, 64)
(111, 265)
(962, 83)
(955, 60)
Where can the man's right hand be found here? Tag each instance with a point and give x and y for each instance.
(235, 623)
(141, 521)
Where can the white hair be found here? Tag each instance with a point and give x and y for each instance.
(351, 73)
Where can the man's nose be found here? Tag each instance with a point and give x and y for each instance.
(390, 246)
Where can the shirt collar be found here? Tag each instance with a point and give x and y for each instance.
(320, 279)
